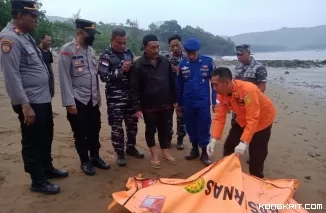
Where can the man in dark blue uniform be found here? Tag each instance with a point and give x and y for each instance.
(175, 56)
(114, 66)
(193, 87)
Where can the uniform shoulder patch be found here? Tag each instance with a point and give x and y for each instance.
(247, 99)
(6, 45)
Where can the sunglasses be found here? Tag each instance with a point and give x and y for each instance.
(239, 54)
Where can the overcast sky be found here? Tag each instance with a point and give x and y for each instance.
(221, 17)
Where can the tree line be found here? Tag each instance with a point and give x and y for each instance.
(63, 32)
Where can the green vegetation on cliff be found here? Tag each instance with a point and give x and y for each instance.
(63, 31)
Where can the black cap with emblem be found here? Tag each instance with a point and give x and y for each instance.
(87, 25)
(29, 6)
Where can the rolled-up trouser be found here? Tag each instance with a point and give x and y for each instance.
(198, 123)
(181, 130)
(258, 147)
(118, 112)
(37, 140)
(157, 120)
(86, 126)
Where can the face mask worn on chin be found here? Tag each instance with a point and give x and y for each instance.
(89, 40)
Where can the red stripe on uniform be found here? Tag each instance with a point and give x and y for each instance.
(66, 53)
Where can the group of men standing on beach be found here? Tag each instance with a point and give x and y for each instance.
(150, 88)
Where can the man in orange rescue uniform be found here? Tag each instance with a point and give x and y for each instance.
(255, 115)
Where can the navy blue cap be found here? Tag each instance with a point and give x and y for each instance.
(87, 25)
(29, 6)
(192, 45)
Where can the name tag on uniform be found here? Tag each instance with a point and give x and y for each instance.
(204, 68)
(105, 63)
(77, 57)
(249, 75)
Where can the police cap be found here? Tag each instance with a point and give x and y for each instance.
(29, 6)
(192, 45)
(87, 25)
(240, 49)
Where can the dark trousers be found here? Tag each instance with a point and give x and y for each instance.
(258, 147)
(86, 126)
(181, 130)
(157, 120)
(233, 118)
(37, 140)
(117, 113)
(198, 124)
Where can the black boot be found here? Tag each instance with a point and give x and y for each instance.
(121, 159)
(132, 151)
(88, 168)
(54, 173)
(98, 162)
(205, 158)
(194, 153)
(180, 143)
(45, 187)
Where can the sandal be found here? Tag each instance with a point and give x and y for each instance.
(170, 159)
(155, 164)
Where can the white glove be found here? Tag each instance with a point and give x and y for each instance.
(211, 147)
(241, 148)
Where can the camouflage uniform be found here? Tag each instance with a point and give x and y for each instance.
(181, 130)
(255, 72)
(117, 95)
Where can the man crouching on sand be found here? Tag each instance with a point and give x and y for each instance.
(255, 115)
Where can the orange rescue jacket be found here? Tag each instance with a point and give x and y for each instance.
(254, 110)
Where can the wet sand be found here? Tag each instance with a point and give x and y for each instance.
(297, 150)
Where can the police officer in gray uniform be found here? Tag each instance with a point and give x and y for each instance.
(249, 70)
(114, 69)
(27, 84)
(80, 94)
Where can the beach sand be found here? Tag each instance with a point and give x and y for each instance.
(297, 150)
